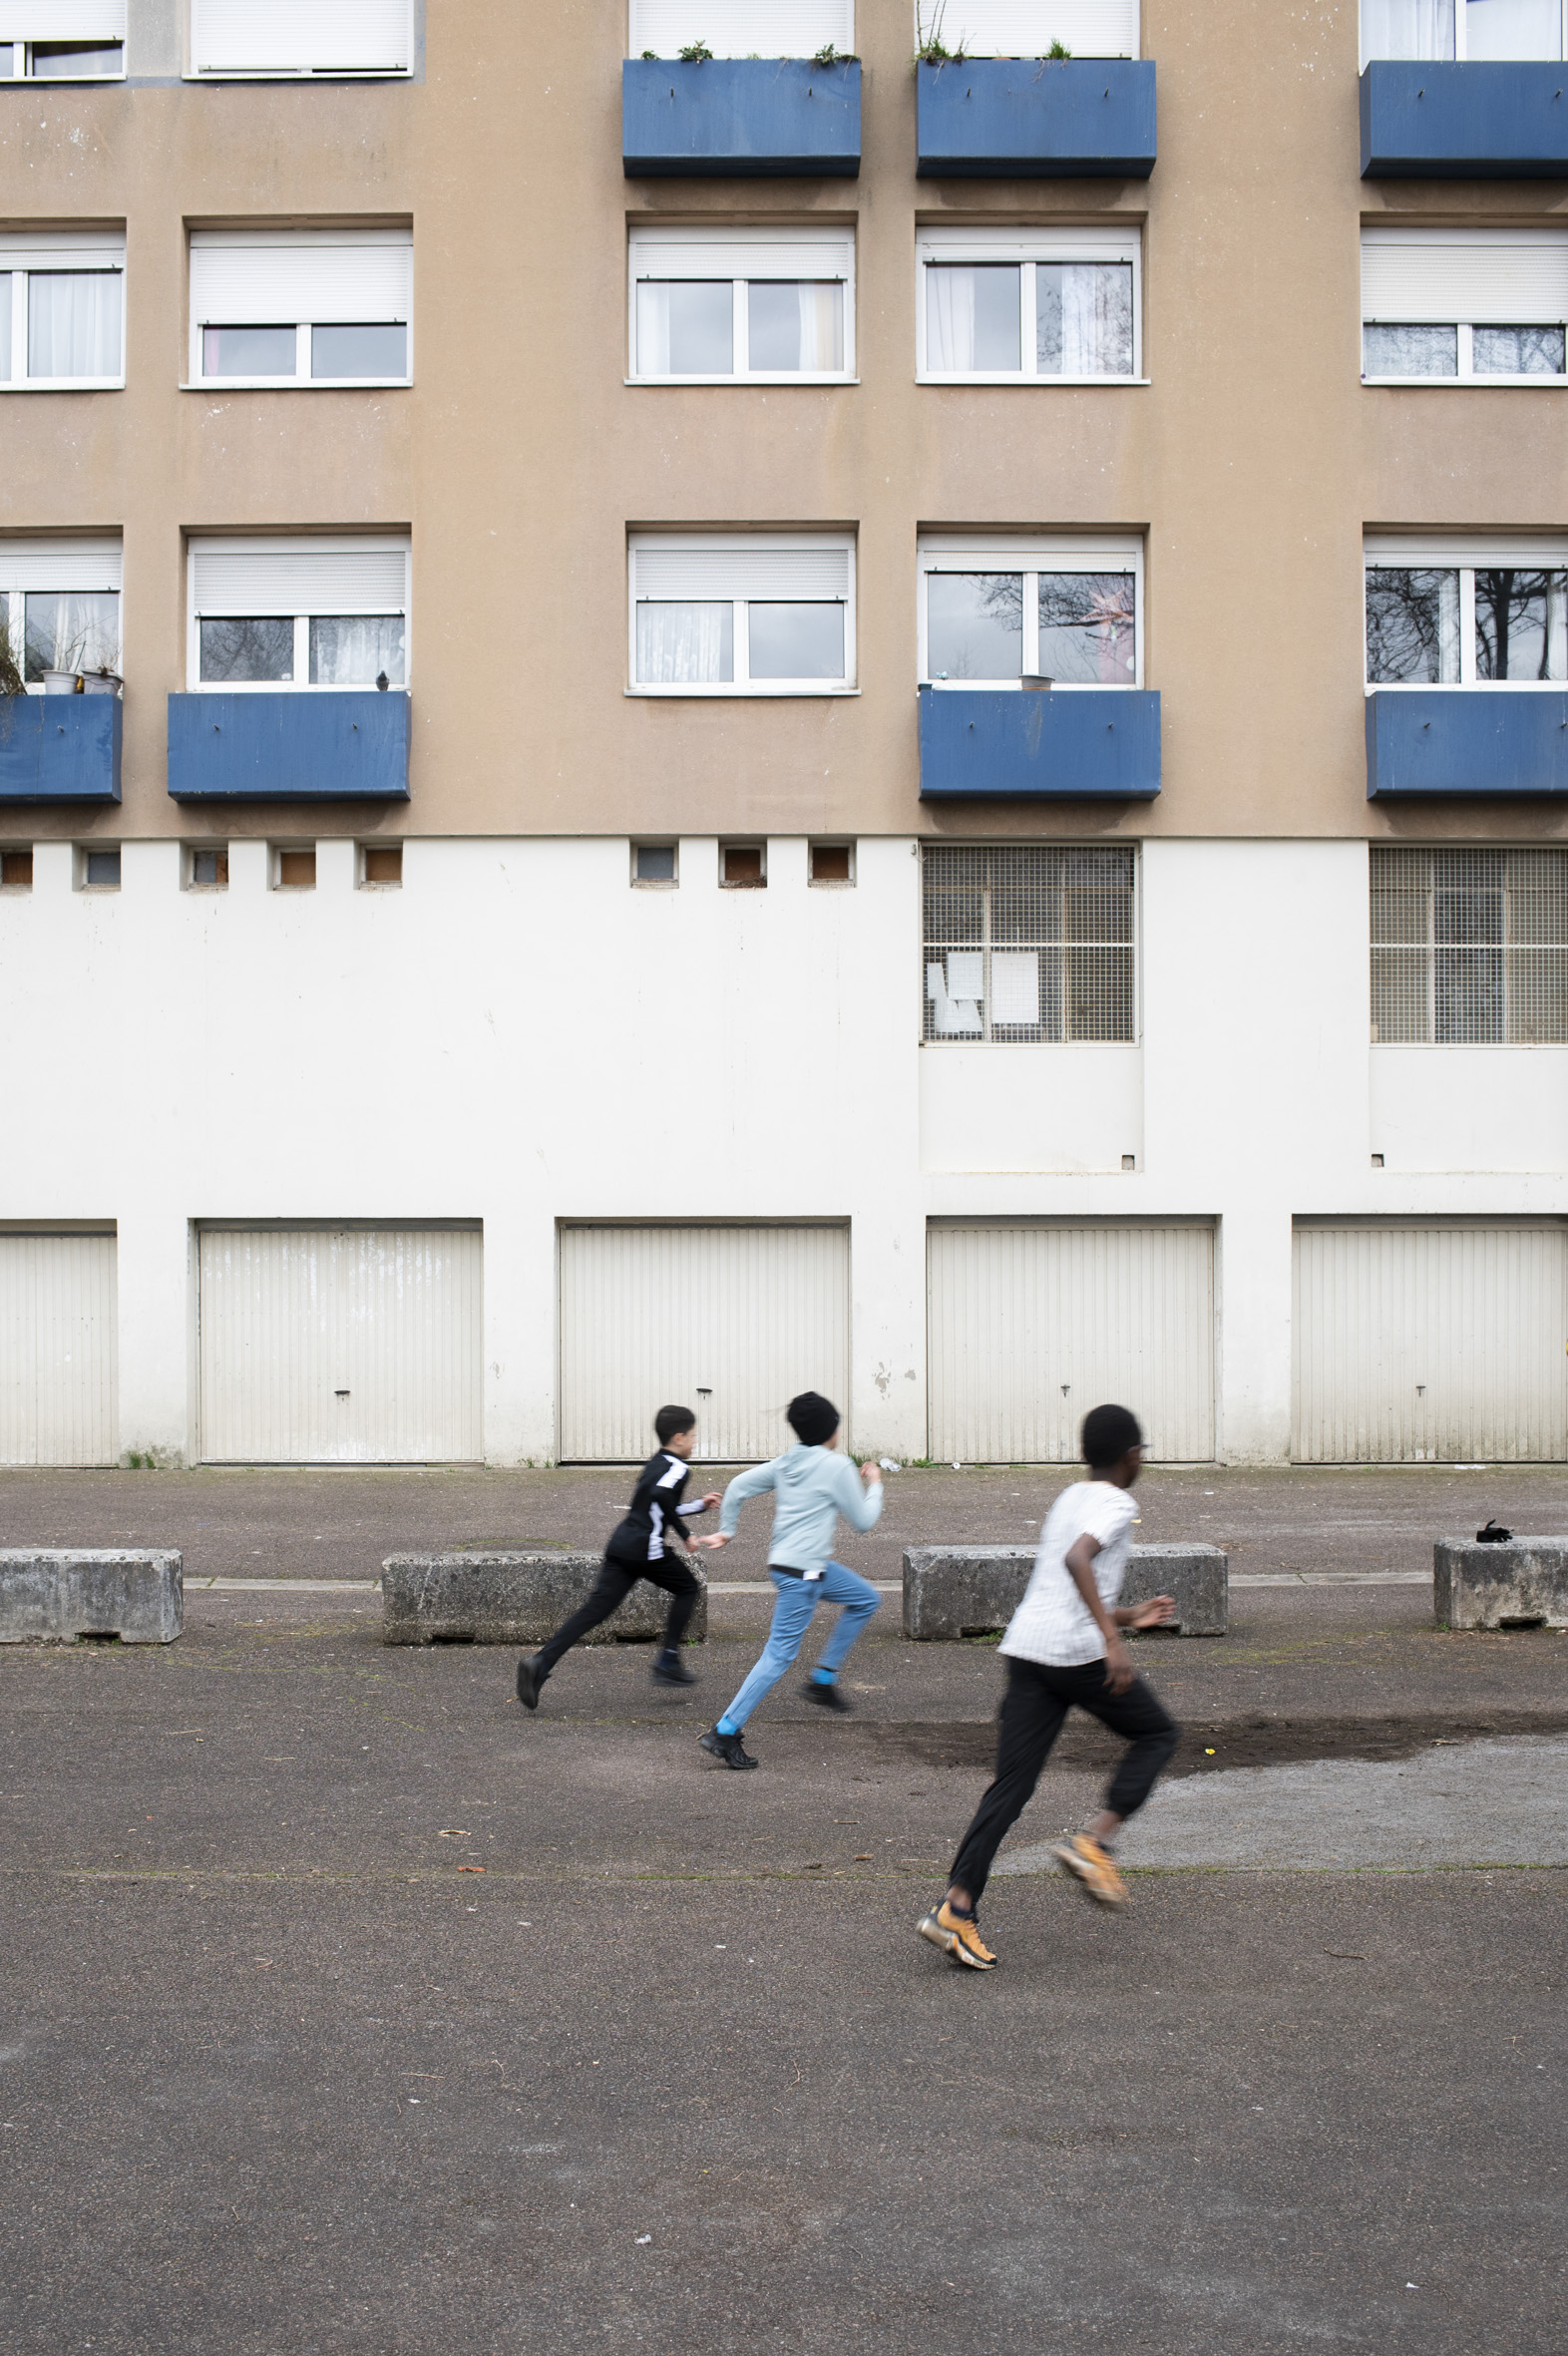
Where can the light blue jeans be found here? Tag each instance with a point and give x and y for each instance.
(798, 1599)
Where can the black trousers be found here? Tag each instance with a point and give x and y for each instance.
(614, 1583)
(1036, 1702)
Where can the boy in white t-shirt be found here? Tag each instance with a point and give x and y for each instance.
(1064, 1649)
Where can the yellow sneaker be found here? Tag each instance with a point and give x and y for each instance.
(957, 1935)
(1093, 1867)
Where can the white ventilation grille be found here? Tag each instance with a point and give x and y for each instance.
(297, 581)
(244, 283)
(62, 20)
(667, 255)
(1026, 27)
(68, 566)
(301, 36)
(717, 571)
(1486, 277)
(741, 28)
(1469, 947)
(1023, 943)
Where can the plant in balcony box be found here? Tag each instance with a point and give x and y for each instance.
(827, 55)
(1057, 51)
(696, 53)
(11, 679)
(930, 47)
(100, 682)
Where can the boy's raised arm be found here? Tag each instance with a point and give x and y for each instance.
(744, 1485)
(859, 1494)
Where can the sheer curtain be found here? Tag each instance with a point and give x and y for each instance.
(1513, 28)
(354, 650)
(6, 284)
(1084, 319)
(1406, 28)
(66, 633)
(686, 645)
(949, 320)
(73, 323)
(795, 325)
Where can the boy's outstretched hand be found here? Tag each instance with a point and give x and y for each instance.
(1156, 1613)
(871, 1474)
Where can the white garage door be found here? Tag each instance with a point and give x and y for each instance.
(1030, 1327)
(57, 1326)
(1431, 1344)
(343, 1345)
(731, 1320)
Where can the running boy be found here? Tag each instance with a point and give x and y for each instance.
(813, 1485)
(637, 1551)
(1064, 1648)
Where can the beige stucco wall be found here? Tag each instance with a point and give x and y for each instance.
(519, 457)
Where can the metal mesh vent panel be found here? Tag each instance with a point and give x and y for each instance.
(1024, 943)
(1469, 947)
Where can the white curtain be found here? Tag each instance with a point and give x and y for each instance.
(67, 632)
(6, 284)
(949, 320)
(795, 325)
(652, 330)
(686, 645)
(1513, 28)
(1406, 28)
(356, 649)
(73, 323)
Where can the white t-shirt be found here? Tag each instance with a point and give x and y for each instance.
(1052, 1623)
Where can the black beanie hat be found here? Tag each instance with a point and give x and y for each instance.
(813, 1418)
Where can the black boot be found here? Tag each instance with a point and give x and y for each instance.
(530, 1684)
(669, 1668)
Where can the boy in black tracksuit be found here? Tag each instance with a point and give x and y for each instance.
(637, 1550)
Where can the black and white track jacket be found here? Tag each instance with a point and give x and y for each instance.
(654, 1510)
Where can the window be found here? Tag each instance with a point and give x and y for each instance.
(749, 305)
(62, 311)
(1028, 28)
(1466, 614)
(16, 871)
(96, 871)
(997, 614)
(1469, 947)
(207, 867)
(1024, 943)
(319, 613)
(832, 863)
(740, 28)
(294, 867)
(278, 37)
(60, 612)
(654, 863)
(1028, 306)
(301, 307)
(1457, 305)
(743, 866)
(1461, 29)
(733, 616)
(380, 865)
(62, 40)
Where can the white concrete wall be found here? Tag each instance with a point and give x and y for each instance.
(1470, 1108)
(518, 1036)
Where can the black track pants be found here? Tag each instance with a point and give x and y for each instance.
(615, 1582)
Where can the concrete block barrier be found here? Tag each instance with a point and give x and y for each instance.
(956, 1591)
(513, 1598)
(1523, 1584)
(56, 1595)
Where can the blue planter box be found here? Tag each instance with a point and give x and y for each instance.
(301, 747)
(1476, 741)
(740, 115)
(1002, 744)
(1469, 122)
(60, 748)
(1028, 117)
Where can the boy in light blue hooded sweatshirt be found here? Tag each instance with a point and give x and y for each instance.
(813, 1484)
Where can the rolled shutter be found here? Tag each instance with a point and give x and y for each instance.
(1026, 27)
(301, 36)
(714, 571)
(265, 285)
(1511, 281)
(31, 251)
(66, 566)
(262, 580)
(62, 20)
(742, 28)
(661, 255)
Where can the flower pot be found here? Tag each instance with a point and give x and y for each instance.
(62, 683)
(101, 683)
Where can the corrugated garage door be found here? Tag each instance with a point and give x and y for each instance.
(343, 1345)
(1430, 1343)
(58, 1362)
(731, 1320)
(1030, 1327)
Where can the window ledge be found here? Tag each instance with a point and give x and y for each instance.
(299, 74)
(1032, 384)
(297, 384)
(1466, 687)
(37, 82)
(1470, 384)
(287, 687)
(1057, 687)
(738, 383)
(745, 694)
(1009, 1046)
(62, 384)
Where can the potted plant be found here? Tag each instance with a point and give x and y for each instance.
(100, 682)
(11, 679)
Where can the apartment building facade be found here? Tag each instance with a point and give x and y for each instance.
(688, 724)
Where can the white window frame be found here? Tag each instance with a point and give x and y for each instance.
(304, 543)
(1463, 555)
(1031, 555)
(25, 252)
(1474, 241)
(26, 25)
(194, 72)
(742, 684)
(676, 23)
(1461, 52)
(301, 380)
(1023, 247)
(647, 237)
(94, 567)
(1026, 28)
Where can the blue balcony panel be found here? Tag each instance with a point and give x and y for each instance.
(1483, 742)
(335, 746)
(1464, 121)
(60, 748)
(1091, 744)
(1035, 119)
(740, 115)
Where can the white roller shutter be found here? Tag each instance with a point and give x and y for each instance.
(62, 20)
(1026, 27)
(718, 569)
(1431, 1344)
(61, 249)
(1030, 1327)
(343, 1345)
(301, 36)
(670, 253)
(1513, 278)
(741, 28)
(58, 1358)
(730, 1320)
(283, 281)
(261, 579)
(61, 565)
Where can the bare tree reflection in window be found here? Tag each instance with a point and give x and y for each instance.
(1413, 624)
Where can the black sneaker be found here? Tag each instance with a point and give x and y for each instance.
(826, 1696)
(530, 1685)
(671, 1669)
(728, 1747)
